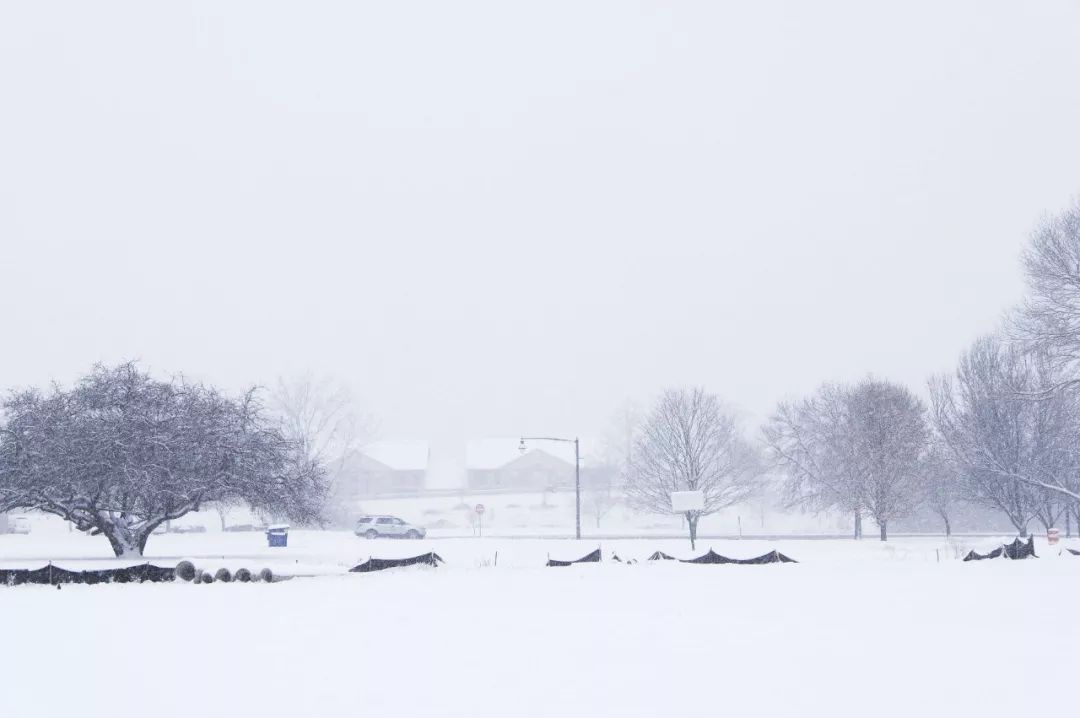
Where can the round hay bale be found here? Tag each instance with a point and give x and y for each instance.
(242, 575)
(223, 575)
(185, 571)
(206, 577)
(266, 575)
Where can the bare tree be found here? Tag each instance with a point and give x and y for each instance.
(811, 442)
(857, 449)
(618, 445)
(690, 441)
(608, 486)
(1048, 510)
(1049, 320)
(121, 453)
(223, 513)
(1013, 441)
(1048, 324)
(890, 431)
(600, 499)
(981, 419)
(941, 484)
(320, 415)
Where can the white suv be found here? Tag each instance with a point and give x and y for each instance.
(387, 527)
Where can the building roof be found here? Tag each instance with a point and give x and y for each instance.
(493, 453)
(400, 455)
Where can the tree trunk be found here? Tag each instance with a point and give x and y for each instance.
(948, 527)
(1068, 524)
(858, 525)
(127, 536)
(126, 542)
(884, 533)
(691, 521)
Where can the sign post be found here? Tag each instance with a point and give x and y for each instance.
(480, 518)
(690, 504)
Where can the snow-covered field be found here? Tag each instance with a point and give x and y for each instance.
(855, 629)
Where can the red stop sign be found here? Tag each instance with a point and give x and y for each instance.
(479, 508)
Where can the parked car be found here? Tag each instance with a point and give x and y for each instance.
(19, 525)
(387, 527)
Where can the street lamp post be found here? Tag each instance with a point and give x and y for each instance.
(577, 473)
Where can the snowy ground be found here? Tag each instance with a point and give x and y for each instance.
(855, 629)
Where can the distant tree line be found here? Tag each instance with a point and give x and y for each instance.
(1001, 432)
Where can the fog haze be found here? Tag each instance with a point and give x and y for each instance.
(492, 219)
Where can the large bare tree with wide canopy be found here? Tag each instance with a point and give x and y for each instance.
(121, 452)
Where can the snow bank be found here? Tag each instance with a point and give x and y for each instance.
(849, 631)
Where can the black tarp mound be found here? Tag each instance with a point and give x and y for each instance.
(1015, 550)
(54, 575)
(771, 557)
(593, 557)
(996, 553)
(710, 557)
(713, 557)
(661, 556)
(379, 564)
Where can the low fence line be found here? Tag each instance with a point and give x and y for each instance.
(721, 537)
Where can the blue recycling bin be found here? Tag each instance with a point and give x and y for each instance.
(277, 536)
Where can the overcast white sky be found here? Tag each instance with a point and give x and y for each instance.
(493, 217)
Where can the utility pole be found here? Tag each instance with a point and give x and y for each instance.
(577, 488)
